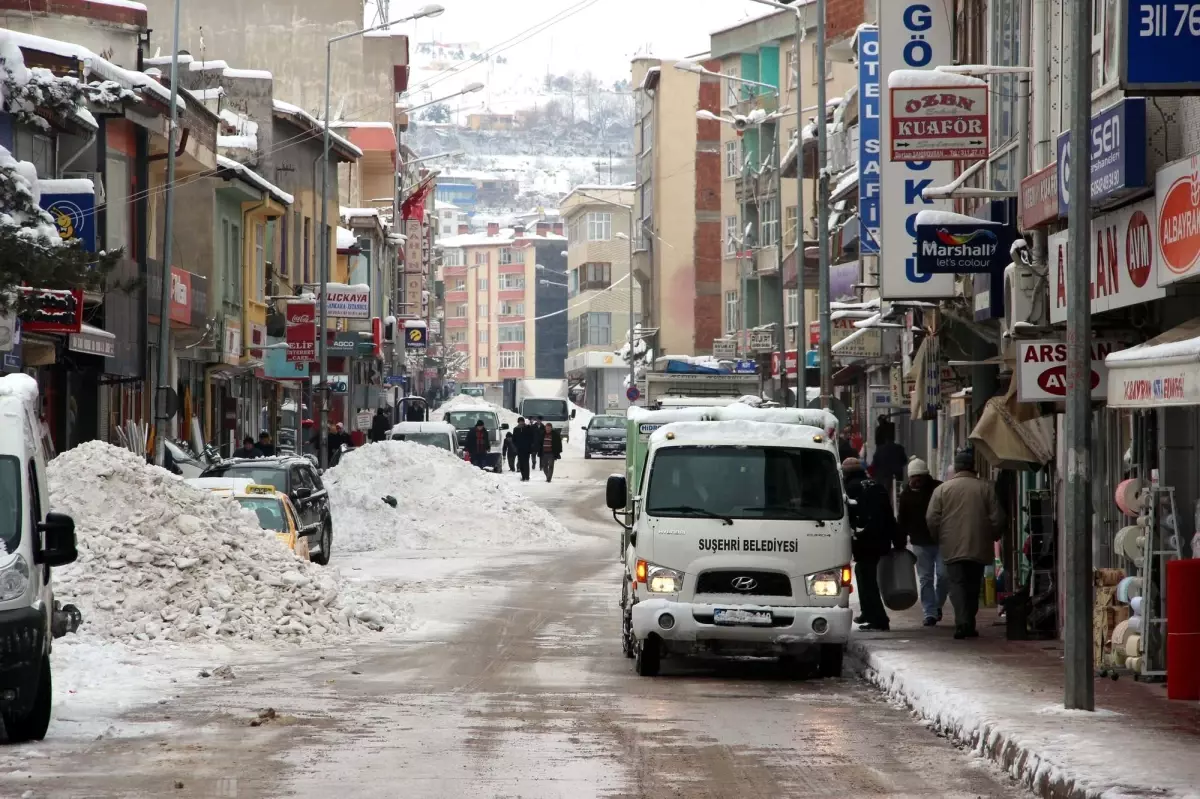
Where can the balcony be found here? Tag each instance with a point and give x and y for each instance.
(766, 261)
(456, 323)
(511, 269)
(507, 373)
(515, 295)
(454, 271)
(456, 296)
(511, 346)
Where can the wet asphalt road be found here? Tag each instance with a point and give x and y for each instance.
(529, 698)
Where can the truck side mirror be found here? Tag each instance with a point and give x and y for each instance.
(504, 426)
(58, 547)
(572, 414)
(615, 492)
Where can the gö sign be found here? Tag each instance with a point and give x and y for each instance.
(1042, 370)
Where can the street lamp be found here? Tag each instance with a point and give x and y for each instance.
(422, 12)
(632, 371)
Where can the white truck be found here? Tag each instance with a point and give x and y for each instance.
(546, 399)
(737, 543)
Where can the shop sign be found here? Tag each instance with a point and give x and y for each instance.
(1116, 151)
(395, 380)
(1124, 261)
(338, 384)
(724, 348)
(348, 302)
(91, 341)
(790, 363)
(1177, 192)
(277, 365)
(9, 337)
(1153, 385)
(868, 345)
(12, 358)
(233, 342)
(416, 337)
(762, 341)
(1160, 44)
(52, 310)
(1042, 369)
(912, 35)
(301, 331)
(72, 205)
(939, 122)
(181, 296)
(842, 280)
(745, 368)
(258, 338)
(362, 420)
(868, 141)
(957, 244)
(1039, 198)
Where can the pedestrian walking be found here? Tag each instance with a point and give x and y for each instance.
(247, 449)
(479, 441)
(964, 520)
(875, 533)
(509, 451)
(887, 464)
(380, 426)
(845, 449)
(931, 569)
(538, 433)
(523, 442)
(550, 449)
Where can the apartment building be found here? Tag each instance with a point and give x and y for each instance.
(451, 220)
(677, 238)
(491, 299)
(759, 212)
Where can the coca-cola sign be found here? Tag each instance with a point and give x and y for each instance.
(348, 302)
(301, 331)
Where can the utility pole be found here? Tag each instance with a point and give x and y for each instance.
(1079, 684)
(801, 310)
(825, 353)
(781, 216)
(161, 417)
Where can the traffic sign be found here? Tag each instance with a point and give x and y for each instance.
(632, 394)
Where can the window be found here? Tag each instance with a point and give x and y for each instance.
(573, 334)
(512, 282)
(460, 311)
(512, 333)
(731, 88)
(482, 284)
(647, 133)
(791, 69)
(1005, 45)
(460, 284)
(233, 263)
(769, 222)
(793, 314)
(595, 329)
(745, 482)
(1104, 43)
(481, 257)
(596, 276)
(733, 315)
(10, 501)
(732, 167)
(573, 232)
(789, 227)
(599, 226)
(573, 283)
(483, 335)
(512, 360)
(815, 68)
(260, 261)
(308, 275)
(453, 257)
(731, 235)
(506, 256)
(512, 308)
(456, 337)
(482, 311)
(483, 363)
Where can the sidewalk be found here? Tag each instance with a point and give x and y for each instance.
(1004, 699)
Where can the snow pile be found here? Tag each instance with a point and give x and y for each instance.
(443, 503)
(160, 560)
(465, 402)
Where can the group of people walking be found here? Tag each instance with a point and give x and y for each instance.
(536, 442)
(952, 527)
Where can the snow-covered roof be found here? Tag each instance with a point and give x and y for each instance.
(238, 142)
(950, 218)
(204, 95)
(348, 123)
(931, 78)
(355, 213)
(296, 111)
(66, 186)
(846, 181)
(503, 237)
(120, 4)
(216, 65)
(346, 239)
(255, 179)
(741, 431)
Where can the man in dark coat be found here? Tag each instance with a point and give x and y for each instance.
(845, 448)
(523, 443)
(478, 442)
(509, 451)
(875, 533)
(887, 465)
(380, 426)
(247, 449)
(931, 569)
(549, 447)
(537, 434)
(264, 444)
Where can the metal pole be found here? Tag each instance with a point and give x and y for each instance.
(801, 310)
(322, 335)
(632, 340)
(825, 355)
(162, 419)
(782, 218)
(1079, 683)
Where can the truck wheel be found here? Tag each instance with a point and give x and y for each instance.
(33, 725)
(627, 645)
(646, 660)
(322, 559)
(829, 663)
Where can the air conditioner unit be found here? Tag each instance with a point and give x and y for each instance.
(1022, 308)
(97, 180)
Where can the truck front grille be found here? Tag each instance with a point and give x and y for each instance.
(754, 583)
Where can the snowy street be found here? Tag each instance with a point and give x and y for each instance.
(509, 682)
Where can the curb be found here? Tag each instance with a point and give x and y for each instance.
(989, 740)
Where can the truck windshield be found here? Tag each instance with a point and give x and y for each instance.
(465, 420)
(552, 410)
(745, 482)
(608, 423)
(10, 503)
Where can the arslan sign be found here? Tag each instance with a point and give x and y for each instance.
(1178, 204)
(1124, 261)
(912, 36)
(1042, 370)
(937, 122)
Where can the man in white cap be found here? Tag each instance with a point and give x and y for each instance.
(931, 569)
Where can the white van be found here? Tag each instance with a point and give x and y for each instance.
(32, 541)
(739, 544)
(442, 435)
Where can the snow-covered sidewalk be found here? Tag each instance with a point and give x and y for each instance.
(1003, 699)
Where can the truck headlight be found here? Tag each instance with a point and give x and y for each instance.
(14, 579)
(826, 583)
(660, 579)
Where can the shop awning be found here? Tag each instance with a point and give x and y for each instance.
(1012, 435)
(1165, 371)
(93, 341)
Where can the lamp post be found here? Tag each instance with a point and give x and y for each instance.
(323, 387)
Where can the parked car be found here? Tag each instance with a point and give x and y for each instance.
(274, 510)
(299, 480)
(433, 434)
(604, 435)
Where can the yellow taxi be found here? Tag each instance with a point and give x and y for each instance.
(273, 508)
